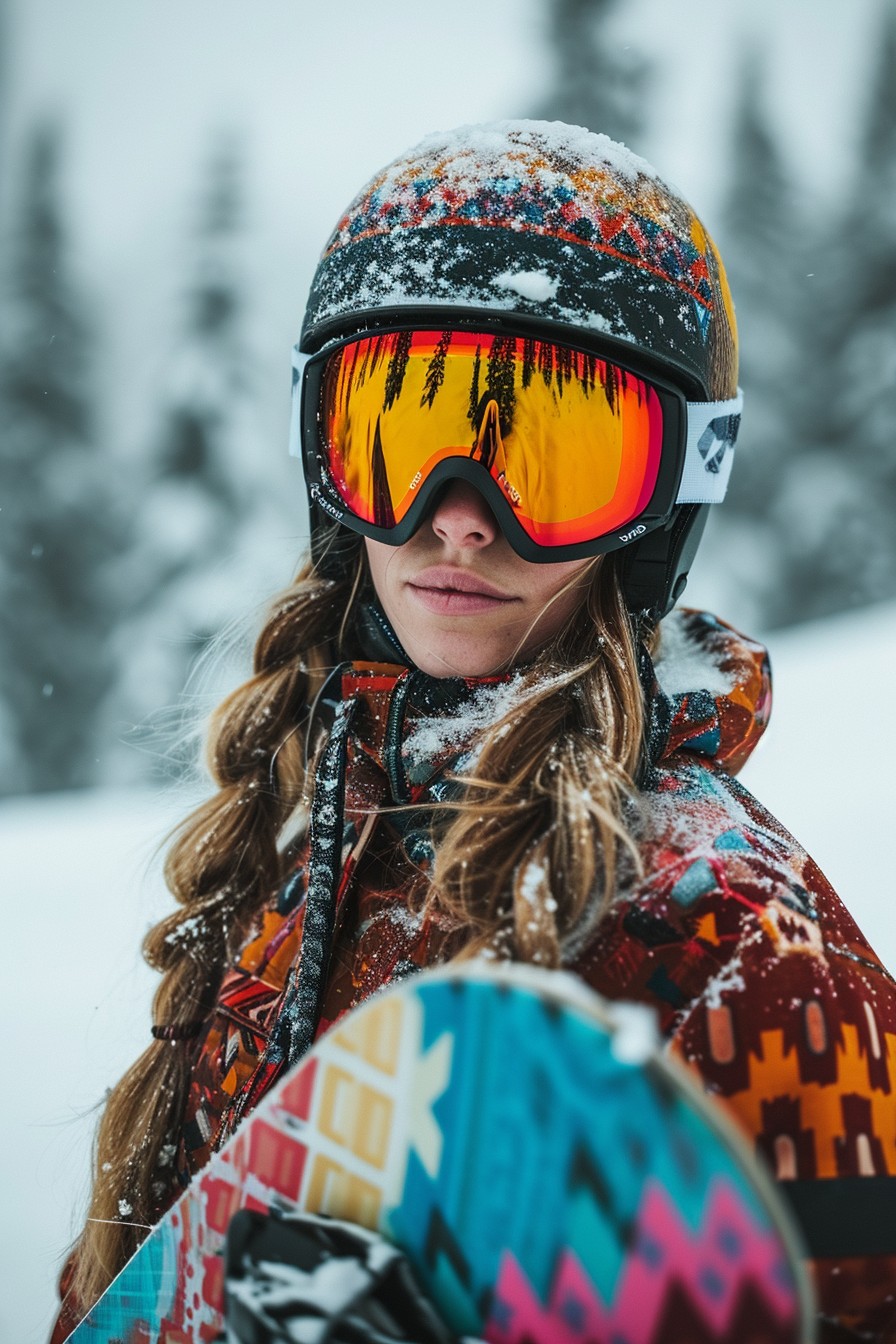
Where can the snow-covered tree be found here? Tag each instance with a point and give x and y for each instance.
(59, 519)
(599, 80)
(842, 499)
(762, 240)
(205, 511)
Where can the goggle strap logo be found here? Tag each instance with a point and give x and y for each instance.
(323, 502)
(709, 452)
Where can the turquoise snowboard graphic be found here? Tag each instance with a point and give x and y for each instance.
(552, 1179)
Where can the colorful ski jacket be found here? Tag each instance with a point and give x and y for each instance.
(760, 978)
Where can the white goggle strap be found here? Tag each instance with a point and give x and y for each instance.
(709, 454)
(295, 417)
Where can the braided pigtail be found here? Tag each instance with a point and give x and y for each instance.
(223, 865)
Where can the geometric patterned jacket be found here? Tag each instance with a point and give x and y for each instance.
(761, 980)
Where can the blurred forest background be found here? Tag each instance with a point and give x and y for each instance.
(145, 499)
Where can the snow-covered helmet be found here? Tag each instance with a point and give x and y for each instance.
(548, 230)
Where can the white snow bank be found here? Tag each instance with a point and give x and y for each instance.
(74, 1000)
(825, 765)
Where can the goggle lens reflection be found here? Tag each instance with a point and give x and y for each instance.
(572, 440)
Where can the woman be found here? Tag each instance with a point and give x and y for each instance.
(520, 401)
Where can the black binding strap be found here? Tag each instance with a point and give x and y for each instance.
(846, 1215)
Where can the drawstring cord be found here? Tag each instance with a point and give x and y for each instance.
(296, 1024)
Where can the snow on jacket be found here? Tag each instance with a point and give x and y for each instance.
(761, 979)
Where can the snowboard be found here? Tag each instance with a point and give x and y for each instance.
(551, 1176)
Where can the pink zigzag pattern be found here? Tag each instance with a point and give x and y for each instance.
(690, 1259)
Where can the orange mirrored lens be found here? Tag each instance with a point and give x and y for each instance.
(573, 441)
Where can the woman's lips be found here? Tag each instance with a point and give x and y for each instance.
(456, 592)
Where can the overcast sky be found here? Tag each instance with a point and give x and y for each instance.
(327, 92)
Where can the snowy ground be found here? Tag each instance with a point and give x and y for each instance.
(825, 765)
(75, 870)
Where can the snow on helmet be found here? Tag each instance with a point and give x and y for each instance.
(540, 220)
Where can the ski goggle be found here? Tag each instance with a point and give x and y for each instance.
(575, 453)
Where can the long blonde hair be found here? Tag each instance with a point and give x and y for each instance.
(525, 860)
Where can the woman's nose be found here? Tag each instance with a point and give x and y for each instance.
(462, 518)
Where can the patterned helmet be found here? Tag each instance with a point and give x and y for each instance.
(545, 222)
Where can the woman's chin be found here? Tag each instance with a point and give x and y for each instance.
(456, 656)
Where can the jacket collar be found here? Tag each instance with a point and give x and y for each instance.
(415, 726)
(708, 693)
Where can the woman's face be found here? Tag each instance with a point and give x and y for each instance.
(461, 600)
